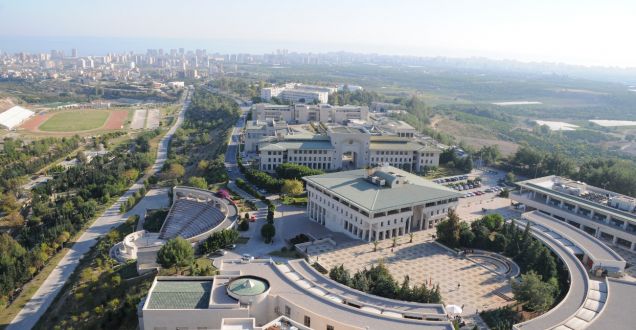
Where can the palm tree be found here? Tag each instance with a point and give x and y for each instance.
(375, 245)
(411, 237)
(394, 239)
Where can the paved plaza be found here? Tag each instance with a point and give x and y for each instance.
(424, 262)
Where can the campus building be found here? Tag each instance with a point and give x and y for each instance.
(257, 130)
(347, 147)
(377, 203)
(306, 113)
(264, 295)
(298, 93)
(604, 214)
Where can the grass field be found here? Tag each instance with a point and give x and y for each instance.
(75, 121)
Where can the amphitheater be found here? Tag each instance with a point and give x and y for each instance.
(194, 215)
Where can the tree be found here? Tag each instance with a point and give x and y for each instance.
(510, 177)
(340, 275)
(489, 154)
(536, 294)
(175, 171)
(244, 225)
(448, 230)
(375, 245)
(292, 187)
(176, 252)
(411, 237)
(394, 241)
(268, 231)
(197, 182)
(295, 171)
(81, 157)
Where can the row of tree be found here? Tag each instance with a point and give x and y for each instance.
(378, 281)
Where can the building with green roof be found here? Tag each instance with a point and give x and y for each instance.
(377, 203)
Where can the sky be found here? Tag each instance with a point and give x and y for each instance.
(575, 32)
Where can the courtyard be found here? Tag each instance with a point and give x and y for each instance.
(462, 282)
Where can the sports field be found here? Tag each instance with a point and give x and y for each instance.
(75, 121)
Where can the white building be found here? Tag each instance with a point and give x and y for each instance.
(298, 93)
(305, 113)
(14, 117)
(602, 213)
(263, 295)
(345, 147)
(378, 203)
(257, 130)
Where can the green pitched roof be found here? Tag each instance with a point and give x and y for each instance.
(297, 145)
(355, 188)
(180, 295)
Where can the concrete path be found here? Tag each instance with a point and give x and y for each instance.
(43, 297)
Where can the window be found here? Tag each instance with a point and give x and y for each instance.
(307, 321)
(330, 327)
(287, 311)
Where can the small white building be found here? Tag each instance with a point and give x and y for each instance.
(14, 117)
(377, 203)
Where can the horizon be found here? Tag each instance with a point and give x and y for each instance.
(589, 34)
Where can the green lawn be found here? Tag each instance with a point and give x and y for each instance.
(75, 121)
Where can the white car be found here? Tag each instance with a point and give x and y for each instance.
(247, 258)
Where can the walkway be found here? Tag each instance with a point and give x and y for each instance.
(43, 297)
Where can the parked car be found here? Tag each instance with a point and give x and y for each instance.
(219, 253)
(231, 247)
(245, 258)
(252, 218)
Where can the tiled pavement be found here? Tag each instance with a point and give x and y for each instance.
(424, 262)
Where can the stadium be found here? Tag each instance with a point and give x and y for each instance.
(194, 215)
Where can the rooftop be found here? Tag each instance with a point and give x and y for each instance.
(354, 187)
(248, 286)
(396, 144)
(547, 184)
(297, 144)
(180, 294)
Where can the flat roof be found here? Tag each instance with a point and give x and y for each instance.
(593, 246)
(180, 294)
(398, 145)
(354, 187)
(534, 185)
(618, 311)
(283, 286)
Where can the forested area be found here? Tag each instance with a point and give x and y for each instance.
(613, 174)
(18, 159)
(197, 147)
(61, 207)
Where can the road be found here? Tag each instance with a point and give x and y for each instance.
(43, 297)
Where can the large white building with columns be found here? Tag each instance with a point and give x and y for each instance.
(377, 203)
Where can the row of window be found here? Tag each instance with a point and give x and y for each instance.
(306, 319)
(315, 159)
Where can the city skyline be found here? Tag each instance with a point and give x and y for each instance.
(567, 32)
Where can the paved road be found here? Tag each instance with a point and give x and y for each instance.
(43, 297)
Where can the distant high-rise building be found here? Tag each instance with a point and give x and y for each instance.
(74, 53)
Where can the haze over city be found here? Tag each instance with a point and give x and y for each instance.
(317, 165)
(568, 31)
